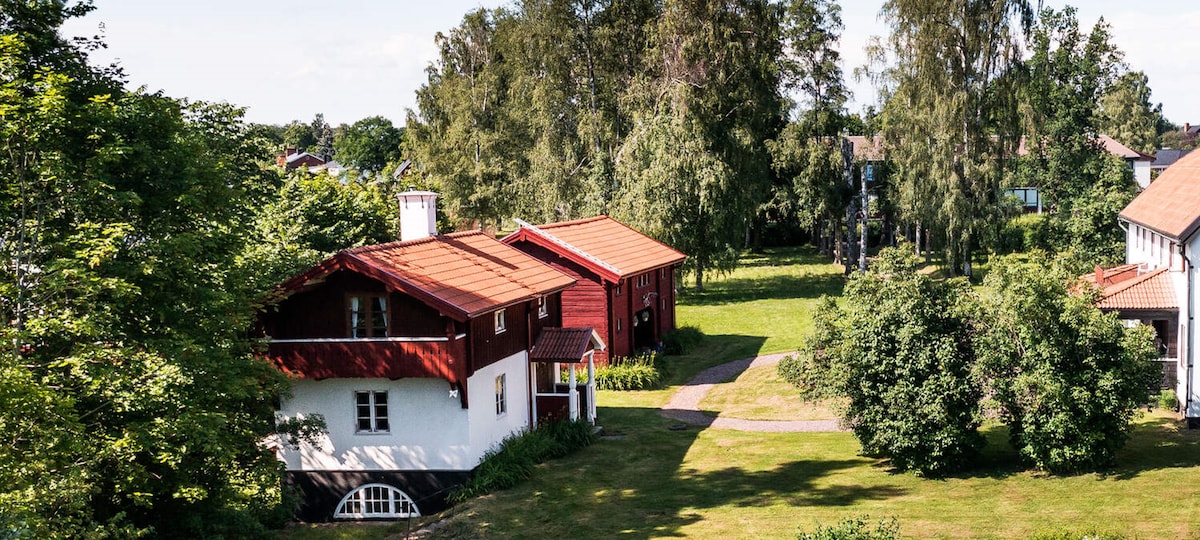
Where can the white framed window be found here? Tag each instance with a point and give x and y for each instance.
(617, 290)
(501, 326)
(367, 315)
(371, 412)
(501, 395)
(376, 501)
(643, 281)
(543, 308)
(618, 325)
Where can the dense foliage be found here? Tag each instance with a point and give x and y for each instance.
(899, 347)
(640, 372)
(130, 403)
(916, 357)
(856, 528)
(1068, 378)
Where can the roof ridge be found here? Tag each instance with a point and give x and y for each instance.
(575, 221)
(413, 242)
(1131, 283)
(571, 247)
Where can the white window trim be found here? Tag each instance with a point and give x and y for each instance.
(397, 499)
(543, 308)
(501, 395)
(500, 322)
(374, 417)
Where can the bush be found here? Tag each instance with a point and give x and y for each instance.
(1026, 232)
(1090, 534)
(681, 340)
(1168, 400)
(638, 373)
(514, 460)
(856, 529)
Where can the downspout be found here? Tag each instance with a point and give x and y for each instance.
(1189, 268)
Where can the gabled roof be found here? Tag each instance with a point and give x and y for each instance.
(1151, 291)
(1171, 204)
(462, 275)
(292, 158)
(867, 150)
(1165, 157)
(564, 344)
(601, 244)
(1117, 149)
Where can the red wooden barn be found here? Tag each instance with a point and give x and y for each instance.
(625, 280)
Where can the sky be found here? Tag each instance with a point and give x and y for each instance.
(352, 59)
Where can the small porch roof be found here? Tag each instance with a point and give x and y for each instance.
(1127, 289)
(564, 344)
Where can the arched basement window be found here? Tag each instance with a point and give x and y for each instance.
(376, 501)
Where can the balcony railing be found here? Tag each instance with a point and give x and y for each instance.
(392, 358)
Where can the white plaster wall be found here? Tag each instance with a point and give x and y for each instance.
(1186, 312)
(1141, 173)
(429, 430)
(488, 428)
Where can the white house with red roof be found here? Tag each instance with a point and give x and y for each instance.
(421, 355)
(1158, 285)
(625, 280)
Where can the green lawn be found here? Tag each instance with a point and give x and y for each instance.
(654, 481)
(760, 394)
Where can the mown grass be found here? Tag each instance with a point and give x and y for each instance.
(760, 394)
(654, 481)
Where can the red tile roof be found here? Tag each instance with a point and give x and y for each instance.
(1171, 204)
(602, 244)
(1151, 291)
(564, 344)
(463, 275)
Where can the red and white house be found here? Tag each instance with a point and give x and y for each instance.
(1158, 284)
(421, 355)
(625, 286)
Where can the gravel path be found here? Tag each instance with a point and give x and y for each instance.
(684, 405)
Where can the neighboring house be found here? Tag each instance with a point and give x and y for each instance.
(1165, 157)
(1139, 162)
(421, 355)
(294, 160)
(1158, 285)
(626, 280)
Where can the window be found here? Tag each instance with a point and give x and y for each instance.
(617, 291)
(618, 324)
(643, 281)
(376, 501)
(371, 411)
(367, 316)
(500, 326)
(501, 401)
(543, 308)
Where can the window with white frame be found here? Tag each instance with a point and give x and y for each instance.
(617, 291)
(500, 323)
(501, 395)
(543, 308)
(376, 501)
(367, 315)
(371, 412)
(643, 281)
(618, 325)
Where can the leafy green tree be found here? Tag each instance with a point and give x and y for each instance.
(1127, 115)
(310, 218)
(713, 90)
(899, 347)
(1068, 378)
(368, 144)
(130, 402)
(299, 136)
(950, 118)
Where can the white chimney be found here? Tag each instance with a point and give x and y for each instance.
(418, 214)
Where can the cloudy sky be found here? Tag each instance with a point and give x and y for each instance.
(357, 58)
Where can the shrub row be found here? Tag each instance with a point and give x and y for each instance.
(513, 461)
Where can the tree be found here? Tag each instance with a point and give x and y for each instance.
(714, 90)
(1068, 378)
(951, 115)
(369, 144)
(1127, 115)
(130, 402)
(899, 347)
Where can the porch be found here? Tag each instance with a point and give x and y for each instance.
(559, 354)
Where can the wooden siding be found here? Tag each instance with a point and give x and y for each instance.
(487, 347)
(584, 305)
(368, 359)
(553, 318)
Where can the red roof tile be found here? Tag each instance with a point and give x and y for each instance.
(1171, 204)
(564, 344)
(462, 275)
(1152, 291)
(603, 244)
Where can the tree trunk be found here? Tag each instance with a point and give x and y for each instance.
(699, 278)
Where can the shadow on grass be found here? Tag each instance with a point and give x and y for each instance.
(817, 277)
(714, 350)
(638, 486)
